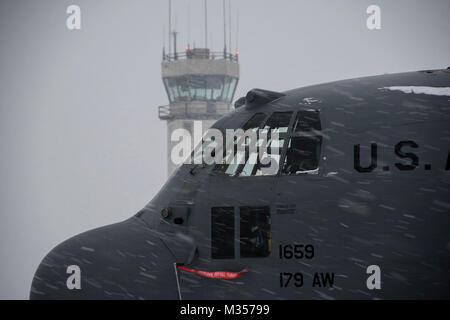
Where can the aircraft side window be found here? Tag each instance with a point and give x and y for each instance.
(222, 233)
(255, 233)
(303, 151)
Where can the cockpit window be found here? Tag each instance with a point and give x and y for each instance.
(302, 155)
(247, 161)
(303, 150)
(307, 120)
(297, 137)
(279, 121)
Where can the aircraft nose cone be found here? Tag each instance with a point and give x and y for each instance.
(126, 260)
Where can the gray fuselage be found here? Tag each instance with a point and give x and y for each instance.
(333, 222)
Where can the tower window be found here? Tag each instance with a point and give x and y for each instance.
(222, 233)
(255, 236)
(200, 88)
(231, 90)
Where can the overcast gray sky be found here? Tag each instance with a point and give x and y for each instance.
(81, 144)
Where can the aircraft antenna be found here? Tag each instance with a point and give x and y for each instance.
(170, 25)
(237, 31)
(224, 30)
(229, 25)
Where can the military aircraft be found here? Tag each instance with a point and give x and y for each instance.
(358, 209)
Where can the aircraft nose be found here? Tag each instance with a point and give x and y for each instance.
(126, 260)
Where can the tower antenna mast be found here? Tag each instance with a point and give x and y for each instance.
(170, 25)
(229, 25)
(189, 24)
(206, 25)
(224, 30)
(237, 32)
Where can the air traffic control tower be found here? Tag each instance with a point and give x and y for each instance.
(200, 85)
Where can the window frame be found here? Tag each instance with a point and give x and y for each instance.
(283, 151)
(291, 134)
(286, 135)
(236, 213)
(215, 169)
(303, 135)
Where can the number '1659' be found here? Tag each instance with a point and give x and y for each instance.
(296, 251)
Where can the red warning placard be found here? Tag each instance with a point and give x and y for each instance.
(215, 274)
